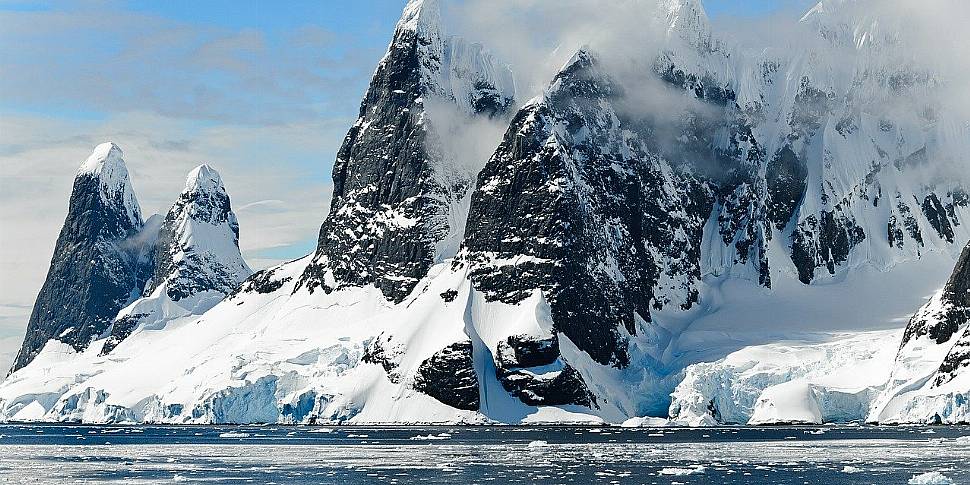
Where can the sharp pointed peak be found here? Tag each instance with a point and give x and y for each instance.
(106, 166)
(203, 178)
(108, 155)
(583, 60)
(421, 16)
(584, 55)
(687, 19)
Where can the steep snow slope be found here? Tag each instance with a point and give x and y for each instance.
(929, 380)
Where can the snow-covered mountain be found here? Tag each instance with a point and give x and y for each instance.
(697, 230)
(174, 269)
(196, 259)
(97, 268)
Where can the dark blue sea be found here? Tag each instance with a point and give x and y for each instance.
(42, 454)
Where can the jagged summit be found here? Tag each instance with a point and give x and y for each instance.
(687, 19)
(198, 248)
(398, 194)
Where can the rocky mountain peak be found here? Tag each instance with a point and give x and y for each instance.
(948, 311)
(397, 192)
(686, 18)
(106, 166)
(95, 269)
(195, 261)
(198, 244)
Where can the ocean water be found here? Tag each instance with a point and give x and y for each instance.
(42, 454)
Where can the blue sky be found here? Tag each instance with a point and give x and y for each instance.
(752, 8)
(262, 90)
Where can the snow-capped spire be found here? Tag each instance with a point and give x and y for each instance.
(196, 259)
(408, 127)
(583, 67)
(203, 178)
(78, 301)
(198, 247)
(107, 165)
(582, 56)
(106, 155)
(420, 16)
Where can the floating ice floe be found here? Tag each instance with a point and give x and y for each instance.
(931, 478)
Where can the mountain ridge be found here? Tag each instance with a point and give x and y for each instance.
(609, 260)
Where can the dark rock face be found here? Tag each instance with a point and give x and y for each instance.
(94, 272)
(909, 223)
(825, 241)
(703, 87)
(560, 209)
(786, 176)
(526, 351)
(391, 200)
(559, 388)
(954, 314)
(936, 214)
(957, 359)
(942, 323)
(262, 282)
(121, 329)
(449, 376)
(529, 369)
